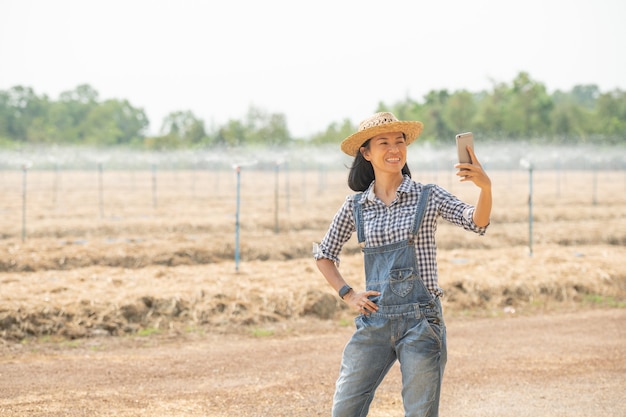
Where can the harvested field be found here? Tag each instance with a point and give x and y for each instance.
(141, 253)
(131, 253)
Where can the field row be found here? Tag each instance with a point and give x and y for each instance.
(210, 200)
(131, 267)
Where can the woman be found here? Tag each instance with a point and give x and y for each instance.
(400, 312)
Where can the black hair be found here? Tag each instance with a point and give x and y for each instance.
(361, 172)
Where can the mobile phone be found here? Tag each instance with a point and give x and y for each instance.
(462, 140)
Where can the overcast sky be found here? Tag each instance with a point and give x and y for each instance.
(314, 61)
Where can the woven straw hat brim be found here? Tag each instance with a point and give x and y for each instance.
(352, 143)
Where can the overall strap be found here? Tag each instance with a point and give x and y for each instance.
(421, 207)
(419, 213)
(357, 210)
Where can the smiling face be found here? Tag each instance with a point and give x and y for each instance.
(386, 152)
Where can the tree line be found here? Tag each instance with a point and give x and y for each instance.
(520, 110)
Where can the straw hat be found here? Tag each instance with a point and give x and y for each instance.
(375, 125)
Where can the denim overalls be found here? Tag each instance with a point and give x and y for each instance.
(408, 326)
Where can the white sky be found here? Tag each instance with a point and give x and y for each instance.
(315, 61)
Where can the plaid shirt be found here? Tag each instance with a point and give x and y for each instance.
(384, 225)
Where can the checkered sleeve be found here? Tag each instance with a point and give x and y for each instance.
(338, 233)
(457, 212)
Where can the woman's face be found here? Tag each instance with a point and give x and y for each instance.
(386, 152)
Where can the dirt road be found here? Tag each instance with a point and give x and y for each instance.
(558, 364)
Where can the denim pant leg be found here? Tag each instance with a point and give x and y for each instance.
(422, 354)
(367, 358)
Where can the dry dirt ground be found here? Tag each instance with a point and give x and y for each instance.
(119, 296)
(558, 364)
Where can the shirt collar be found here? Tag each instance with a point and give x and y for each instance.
(405, 187)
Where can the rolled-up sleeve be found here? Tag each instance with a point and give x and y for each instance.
(338, 234)
(457, 212)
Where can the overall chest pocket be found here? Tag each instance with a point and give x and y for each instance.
(401, 281)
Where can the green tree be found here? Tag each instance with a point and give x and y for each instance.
(5, 116)
(459, 111)
(571, 115)
(528, 113)
(520, 110)
(183, 128)
(408, 109)
(230, 135)
(490, 113)
(22, 107)
(114, 122)
(436, 126)
(610, 116)
(568, 121)
(585, 95)
(265, 128)
(69, 113)
(334, 133)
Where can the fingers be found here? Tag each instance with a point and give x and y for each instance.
(465, 171)
(363, 304)
(469, 174)
(464, 167)
(368, 306)
(473, 173)
(473, 156)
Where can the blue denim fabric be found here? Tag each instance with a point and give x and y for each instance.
(407, 327)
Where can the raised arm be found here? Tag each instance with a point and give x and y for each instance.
(475, 173)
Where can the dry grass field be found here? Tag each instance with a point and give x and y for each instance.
(150, 256)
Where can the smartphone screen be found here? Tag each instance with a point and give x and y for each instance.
(462, 140)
